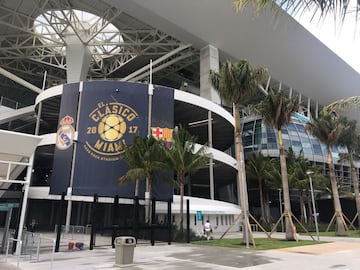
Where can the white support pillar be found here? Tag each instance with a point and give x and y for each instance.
(211, 166)
(209, 60)
(78, 59)
(69, 190)
(24, 203)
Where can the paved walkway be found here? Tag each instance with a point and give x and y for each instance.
(343, 253)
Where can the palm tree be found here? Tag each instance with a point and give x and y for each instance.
(273, 181)
(257, 167)
(328, 129)
(351, 139)
(276, 110)
(321, 7)
(185, 159)
(145, 157)
(132, 154)
(236, 83)
(273, 175)
(297, 166)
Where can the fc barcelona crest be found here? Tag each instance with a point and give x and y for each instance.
(163, 134)
(65, 134)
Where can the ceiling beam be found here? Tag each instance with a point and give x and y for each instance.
(20, 81)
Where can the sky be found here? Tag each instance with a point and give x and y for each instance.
(344, 40)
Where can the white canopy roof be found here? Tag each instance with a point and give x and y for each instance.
(17, 144)
(292, 54)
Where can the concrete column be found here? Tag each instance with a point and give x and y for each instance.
(209, 59)
(78, 59)
(211, 165)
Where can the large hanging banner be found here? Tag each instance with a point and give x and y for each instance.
(60, 177)
(110, 113)
(162, 125)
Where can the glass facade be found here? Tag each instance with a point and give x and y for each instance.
(259, 137)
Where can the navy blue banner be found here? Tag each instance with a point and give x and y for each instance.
(162, 123)
(60, 177)
(110, 113)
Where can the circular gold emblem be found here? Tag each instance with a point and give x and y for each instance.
(112, 127)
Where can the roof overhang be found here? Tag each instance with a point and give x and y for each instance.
(17, 144)
(15, 152)
(291, 53)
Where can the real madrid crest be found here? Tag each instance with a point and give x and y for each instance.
(65, 134)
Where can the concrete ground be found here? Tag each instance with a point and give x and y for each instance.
(339, 253)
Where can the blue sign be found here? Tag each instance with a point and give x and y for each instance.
(199, 215)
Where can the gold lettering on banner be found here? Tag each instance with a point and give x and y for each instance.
(109, 123)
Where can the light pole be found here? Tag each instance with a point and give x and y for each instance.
(309, 173)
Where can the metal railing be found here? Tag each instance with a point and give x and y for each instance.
(7, 102)
(32, 245)
(30, 241)
(72, 232)
(53, 240)
(7, 250)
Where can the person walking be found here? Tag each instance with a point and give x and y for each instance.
(208, 230)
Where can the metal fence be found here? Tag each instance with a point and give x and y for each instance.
(32, 246)
(73, 232)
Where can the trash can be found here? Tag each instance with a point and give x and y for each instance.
(124, 250)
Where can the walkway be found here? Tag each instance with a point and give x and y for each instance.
(343, 253)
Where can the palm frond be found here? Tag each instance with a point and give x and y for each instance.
(323, 8)
(182, 156)
(342, 104)
(240, 5)
(132, 175)
(276, 109)
(236, 82)
(326, 128)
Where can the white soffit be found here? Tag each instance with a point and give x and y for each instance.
(292, 54)
(18, 144)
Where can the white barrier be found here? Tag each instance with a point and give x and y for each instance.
(19, 253)
(52, 251)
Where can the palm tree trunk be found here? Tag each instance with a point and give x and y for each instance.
(262, 206)
(289, 233)
(356, 188)
(301, 202)
(242, 185)
(149, 200)
(340, 231)
(181, 206)
(137, 188)
(268, 218)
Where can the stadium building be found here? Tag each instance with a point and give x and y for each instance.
(69, 70)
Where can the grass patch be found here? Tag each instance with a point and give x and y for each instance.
(352, 233)
(261, 243)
